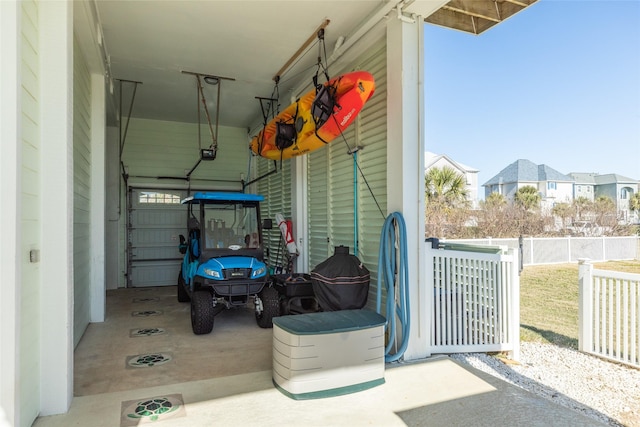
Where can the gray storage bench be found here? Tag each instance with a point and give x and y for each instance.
(328, 353)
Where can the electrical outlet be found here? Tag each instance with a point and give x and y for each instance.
(34, 255)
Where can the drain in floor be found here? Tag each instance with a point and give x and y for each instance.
(151, 409)
(146, 299)
(148, 360)
(146, 332)
(146, 313)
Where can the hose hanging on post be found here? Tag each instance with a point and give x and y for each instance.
(393, 270)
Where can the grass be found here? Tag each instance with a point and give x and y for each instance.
(549, 301)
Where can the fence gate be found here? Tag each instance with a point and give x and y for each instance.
(476, 299)
(155, 219)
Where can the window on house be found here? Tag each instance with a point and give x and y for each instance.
(158, 198)
(551, 185)
(588, 189)
(624, 193)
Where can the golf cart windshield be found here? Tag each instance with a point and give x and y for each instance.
(231, 225)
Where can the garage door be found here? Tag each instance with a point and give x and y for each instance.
(155, 220)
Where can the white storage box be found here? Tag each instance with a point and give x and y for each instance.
(328, 353)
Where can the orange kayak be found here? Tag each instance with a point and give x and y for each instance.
(301, 127)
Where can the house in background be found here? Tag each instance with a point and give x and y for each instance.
(618, 188)
(432, 160)
(553, 186)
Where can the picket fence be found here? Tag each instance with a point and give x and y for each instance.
(609, 314)
(475, 301)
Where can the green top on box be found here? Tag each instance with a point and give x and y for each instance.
(329, 322)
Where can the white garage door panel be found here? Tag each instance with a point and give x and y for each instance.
(155, 273)
(156, 219)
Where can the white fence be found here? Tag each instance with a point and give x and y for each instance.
(555, 250)
(475, 302)
(609, 314)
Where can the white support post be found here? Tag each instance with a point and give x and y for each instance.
(585, 305)
(515, 304)
(98, 185)
(56, 116)
(10, 208)
(405, 165)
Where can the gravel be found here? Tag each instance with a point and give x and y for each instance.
(600, 389)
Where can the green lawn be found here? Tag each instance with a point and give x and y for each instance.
(549, 301)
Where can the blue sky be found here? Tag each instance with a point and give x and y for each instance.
(557, 84)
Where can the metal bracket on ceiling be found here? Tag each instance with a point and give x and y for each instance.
(302, 48)
(210, 152)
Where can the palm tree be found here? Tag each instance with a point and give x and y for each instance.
(581, 205)
(634, 202)
(527, 197)
(495, 201)
(445, 185)
(564, 211)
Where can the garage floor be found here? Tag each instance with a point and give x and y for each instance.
(144, 365)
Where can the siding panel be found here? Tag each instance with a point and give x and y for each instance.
(30, 215)
(81, 193)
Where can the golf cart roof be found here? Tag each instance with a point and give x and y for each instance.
(221, 196)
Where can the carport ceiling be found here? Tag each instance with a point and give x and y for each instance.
(152, 42)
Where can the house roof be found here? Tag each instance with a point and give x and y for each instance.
(431, 158)
(597, 179)
(613, 178)
(523, 170)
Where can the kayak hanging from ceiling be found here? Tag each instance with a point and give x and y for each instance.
(316, 118)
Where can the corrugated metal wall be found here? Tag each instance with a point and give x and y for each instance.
(155, 148)
(277, 191)
(332, 219)
(30, 213)
(81, 193)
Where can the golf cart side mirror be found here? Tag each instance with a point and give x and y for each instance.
(183, 245)
(267, 224)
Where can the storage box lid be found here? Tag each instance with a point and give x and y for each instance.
(329, 322)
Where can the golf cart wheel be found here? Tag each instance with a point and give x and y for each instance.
(183, 295)
(202, 312)
(270, 307)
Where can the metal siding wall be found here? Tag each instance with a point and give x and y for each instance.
(81, 194)
(373, 162)
(159, 148)
(331, 182)
(277, 191)
(156, 148)
(29, 333)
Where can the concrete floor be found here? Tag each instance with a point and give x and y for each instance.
(145, 356)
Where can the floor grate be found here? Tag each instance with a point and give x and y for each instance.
(151, 409)
(146, 332)
(148, 360)
(146, 313)
(150, 299)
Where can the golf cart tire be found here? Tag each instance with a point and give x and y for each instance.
(270, 307)
(183, 295)
(202, 312)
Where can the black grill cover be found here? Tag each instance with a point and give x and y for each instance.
(341, 282)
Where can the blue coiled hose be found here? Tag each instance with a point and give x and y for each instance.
(393, 270)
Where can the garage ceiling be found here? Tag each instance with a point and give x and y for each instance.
(248, 42)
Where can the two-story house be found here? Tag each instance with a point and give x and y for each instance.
(432, 160)
(553, 186)
(618, 188)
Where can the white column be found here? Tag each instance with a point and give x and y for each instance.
(56, 107)
(10, 251)
(98, 185)
(405, 165)
(585, 305)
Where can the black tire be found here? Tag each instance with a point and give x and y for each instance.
(183, 295)
(270, 307)
(202, 312)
